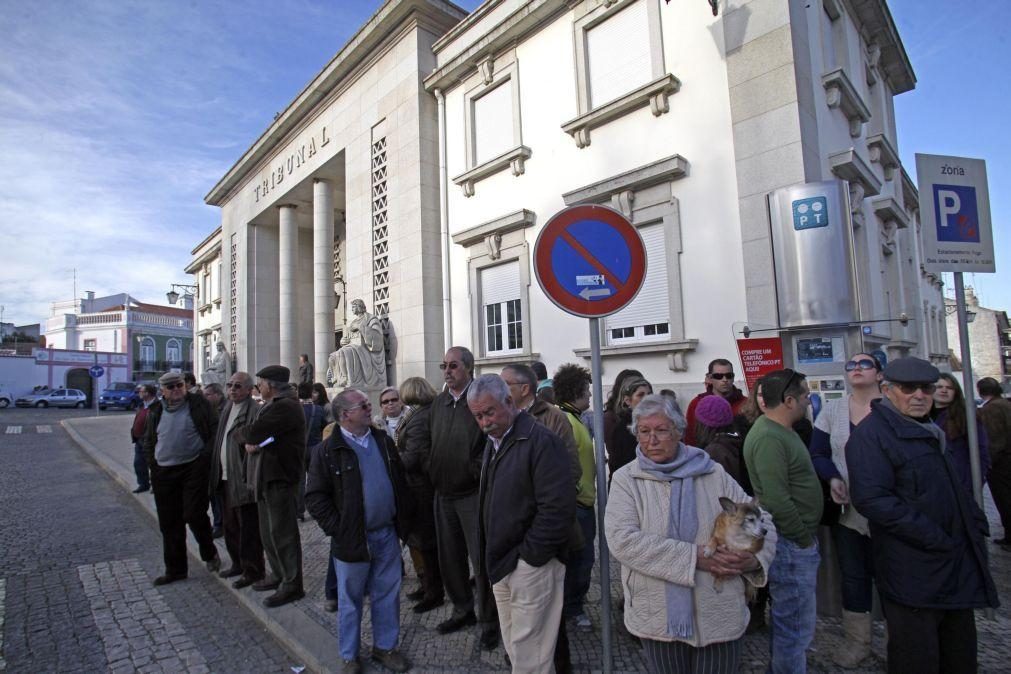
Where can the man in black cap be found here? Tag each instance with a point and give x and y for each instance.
(926, 531)
(178, 441)
(275, 443)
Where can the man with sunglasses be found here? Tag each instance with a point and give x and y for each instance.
(455, 471)
(719, 381)
(178, 442)
(926, 531)
(786, 485)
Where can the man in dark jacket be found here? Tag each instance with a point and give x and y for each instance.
(357, 494)
(719, 381)
(178, 441)
(455, 471)
(148, 396)
(995, 413)
(926, 531)
(275, 443)
(527, 506)
(240, 518)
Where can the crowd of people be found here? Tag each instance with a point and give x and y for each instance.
(490, 482)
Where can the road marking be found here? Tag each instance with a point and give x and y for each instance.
(44, 429)
(135, 624)
(13, 430)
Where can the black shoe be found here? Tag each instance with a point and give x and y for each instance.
(141, 490)
(169, 578)
(427, 604)
(330, 606)
(268, 583)
(283, 597)
(489, 638)
(417, 595)
(999, 541)
(213, 565)
(392, 659)
(244, 581)
(230, 572)
(456, 623)
(217, 532)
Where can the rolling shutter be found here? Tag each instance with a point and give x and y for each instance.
(493, 123)
(618, 54)
(500, 283)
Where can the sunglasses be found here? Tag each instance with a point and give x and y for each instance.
(389, 400)
(449, 366)
(862, 364)
(910, 389)
(792, 376)
(360, 406)
(178, 384)
(719, 376)
(233, 386)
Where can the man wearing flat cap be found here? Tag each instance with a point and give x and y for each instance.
(275, 444)
(926, 531)
(178, 442)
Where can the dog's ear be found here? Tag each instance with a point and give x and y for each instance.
(728, 506)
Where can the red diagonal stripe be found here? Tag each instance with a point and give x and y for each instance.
(588, 256)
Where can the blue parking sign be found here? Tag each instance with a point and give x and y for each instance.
(955, 214)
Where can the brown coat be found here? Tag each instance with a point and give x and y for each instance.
(996, 418)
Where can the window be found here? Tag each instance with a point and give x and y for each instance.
(173, 352)
(91, 345)
(147, 353)
(501, 309)
(647, 318)
(493, 123)
(618, 54)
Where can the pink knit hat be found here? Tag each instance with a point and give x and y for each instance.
(714, 411)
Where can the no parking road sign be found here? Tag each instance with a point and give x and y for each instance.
(590, 261)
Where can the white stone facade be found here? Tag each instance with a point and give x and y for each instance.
(207, 269)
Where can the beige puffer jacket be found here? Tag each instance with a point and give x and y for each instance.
(636, 524)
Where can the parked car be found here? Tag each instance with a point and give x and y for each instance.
(5, 399)
(121, 395)
(61, 397)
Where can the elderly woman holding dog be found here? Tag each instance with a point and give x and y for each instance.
(661, 514)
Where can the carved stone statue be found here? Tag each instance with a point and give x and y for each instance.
(219, 369)
(361, 360)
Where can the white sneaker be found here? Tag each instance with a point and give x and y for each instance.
(583, 622)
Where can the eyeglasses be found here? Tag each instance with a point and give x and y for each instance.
(449, 366)
(178, 384)
(233, 385)
(863, 364)
(792, 375)
(389, 401)
(910, 389)
(658, 433)
(360, 406)
(719, 376)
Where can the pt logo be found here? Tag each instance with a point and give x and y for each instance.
(955, 213)
(810, 213)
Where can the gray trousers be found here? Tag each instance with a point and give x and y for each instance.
(677, 657)
(279, 533)
(456, 529)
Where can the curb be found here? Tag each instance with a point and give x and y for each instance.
(298, 633)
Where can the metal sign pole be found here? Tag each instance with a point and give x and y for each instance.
(598, 448)
(969, 390)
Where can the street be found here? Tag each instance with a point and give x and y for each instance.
(78, 555)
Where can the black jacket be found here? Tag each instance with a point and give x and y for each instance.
(926, 531)
(282, 460)
(457, 446)
(204, 419)
(527, 501)
(234, 454)
(335, 499)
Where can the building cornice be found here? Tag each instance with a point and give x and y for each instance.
(878, 28)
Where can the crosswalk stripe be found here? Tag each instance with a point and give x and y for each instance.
(44, 429)
(13, 430)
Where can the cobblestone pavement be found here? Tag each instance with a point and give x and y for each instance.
(77, 557)
(460, 652)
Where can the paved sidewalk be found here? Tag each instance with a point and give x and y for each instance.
(311, 633)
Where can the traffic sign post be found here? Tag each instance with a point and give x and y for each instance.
(591, 262)
(96, 371)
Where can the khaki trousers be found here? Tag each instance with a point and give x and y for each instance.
(529, 604)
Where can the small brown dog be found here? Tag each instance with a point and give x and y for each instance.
(739, 528)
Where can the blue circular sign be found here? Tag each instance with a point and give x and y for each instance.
(96, 371)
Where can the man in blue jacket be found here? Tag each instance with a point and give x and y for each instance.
(926, 531)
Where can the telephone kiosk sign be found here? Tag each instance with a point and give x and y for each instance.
(590, 260)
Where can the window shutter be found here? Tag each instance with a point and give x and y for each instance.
(618, 54)
(493, 123)
(500, 283)
(651, 305)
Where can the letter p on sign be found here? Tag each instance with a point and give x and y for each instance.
(955, 213)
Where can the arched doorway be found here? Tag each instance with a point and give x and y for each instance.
(80, 379)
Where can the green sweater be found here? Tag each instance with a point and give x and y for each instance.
(784, 480)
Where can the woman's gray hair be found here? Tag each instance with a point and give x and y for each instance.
(488, 384)
(656, 403)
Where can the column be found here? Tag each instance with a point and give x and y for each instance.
(323, 304)
(286, 300)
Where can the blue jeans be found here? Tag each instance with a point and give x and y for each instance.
(140, 466)
(378, 578)
(856, 564)
(793, 577)
(580, 564)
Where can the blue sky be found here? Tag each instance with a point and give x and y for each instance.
(118, 116)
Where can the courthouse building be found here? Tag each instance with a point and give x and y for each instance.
(417, 169)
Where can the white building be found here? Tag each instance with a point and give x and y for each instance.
(684, 121)
(206, 269)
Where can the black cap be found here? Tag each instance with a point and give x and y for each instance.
(275, 373)
(911, 370)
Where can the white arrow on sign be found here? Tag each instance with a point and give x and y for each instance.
(587, 293)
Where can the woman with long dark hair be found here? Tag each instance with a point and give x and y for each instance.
(319, 397)
(949, 413)
(618, 439)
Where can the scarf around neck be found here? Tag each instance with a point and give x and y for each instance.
(689, 463)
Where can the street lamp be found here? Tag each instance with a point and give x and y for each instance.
(188, 290)
(970, 315)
